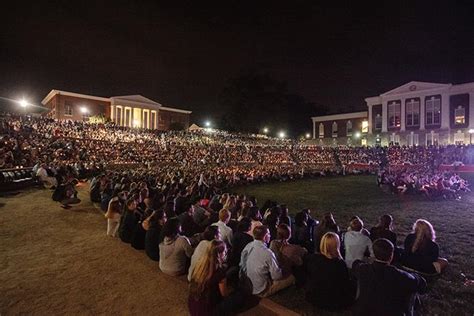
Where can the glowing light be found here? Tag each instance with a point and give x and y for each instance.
(207, 123)
(281, 134)
(23, 103)
(365, 126)
(84, 110)
(471, 131)
(265, 130)
(357, 134)
(136, 123)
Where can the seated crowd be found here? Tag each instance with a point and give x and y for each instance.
(233, 251)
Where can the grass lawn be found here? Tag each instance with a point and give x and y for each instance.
(453, 221)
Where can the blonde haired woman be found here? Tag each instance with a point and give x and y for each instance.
(329, 285)
(422, 251)
(207, 286)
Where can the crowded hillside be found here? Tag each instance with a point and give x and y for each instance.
(169, 194)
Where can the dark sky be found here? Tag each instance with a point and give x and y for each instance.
(182, 54)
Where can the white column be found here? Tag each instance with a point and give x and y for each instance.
(445, 111)
(422, 113)
(370, 118)
(112, 117)
(402, 115)
(314, 129)
(384, 116)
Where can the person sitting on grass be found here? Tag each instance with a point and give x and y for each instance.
(422, 251)
(226, 231)
(384, 229)
(384, 289)
(259, 264)
(328, 224)
(208, 284)
(153, 226)
(329, 285)
(290, 257)
(240, 239)
(209, 234)
(356, 243)
(129, 220)
(175, 250)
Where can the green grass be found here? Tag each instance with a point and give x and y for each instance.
(453, 221)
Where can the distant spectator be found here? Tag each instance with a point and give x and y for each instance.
(356, 243)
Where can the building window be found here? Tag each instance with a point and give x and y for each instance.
(118, 115)
(321, 130)
(433, 111)
(365, 126)
(459, 115)
(394, 114)
(378, 122)
(349, 128)
(334, 129)
(413, 112)
(67, 109)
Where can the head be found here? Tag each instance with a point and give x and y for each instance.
(424, 232)
(383, 250)
(301, 219)
(385, 221)
(283, 232)
(224, 215)
(211, 232)
(131, 204)
(356, 224)
(244, 225)
(172, 228)
(328, 220)
(254, 213)
(330, 245)
(262, 233)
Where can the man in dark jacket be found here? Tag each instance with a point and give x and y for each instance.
(384, 289)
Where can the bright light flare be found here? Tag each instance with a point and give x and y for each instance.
(357, 134)
(84, 110)
(281, 134)
(265, 130)
(308, 135)
(207, 123)
(23, 103)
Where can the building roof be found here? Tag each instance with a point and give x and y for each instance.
(135, 99)
(54, 92)
(165, 108)
(343, 116)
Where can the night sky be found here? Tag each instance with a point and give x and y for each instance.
(182, 54)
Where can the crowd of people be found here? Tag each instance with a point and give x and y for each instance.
(167, 193)
(232, 251)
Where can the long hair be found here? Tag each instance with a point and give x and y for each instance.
(424, 231)
(205, 268)
(330, 245)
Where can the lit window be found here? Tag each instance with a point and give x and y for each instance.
(334, 129)
(67, 109)
(378, 121)
(321, 130)
(349, 128)
(365, 125)
(433, 111)
(413, 113)
(394, 114)
(459, 116)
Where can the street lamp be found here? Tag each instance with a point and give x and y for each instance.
(308, 135)
(207, 123)
(281, 134)
(357, 134)
(23, 103)
(84, 112)
(265, 130)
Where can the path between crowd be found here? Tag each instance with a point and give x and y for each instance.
(55, 261)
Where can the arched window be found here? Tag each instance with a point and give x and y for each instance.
(321, 130)
(349, 128)
(334, 129)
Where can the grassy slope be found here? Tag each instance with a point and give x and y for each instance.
(359, 195)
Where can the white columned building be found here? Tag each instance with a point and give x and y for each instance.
(422, 113)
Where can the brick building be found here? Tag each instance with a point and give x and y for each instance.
(341, 129)
(129, 110)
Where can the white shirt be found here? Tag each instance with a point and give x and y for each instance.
(355, 244)
(226, 232)
(260, 265)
